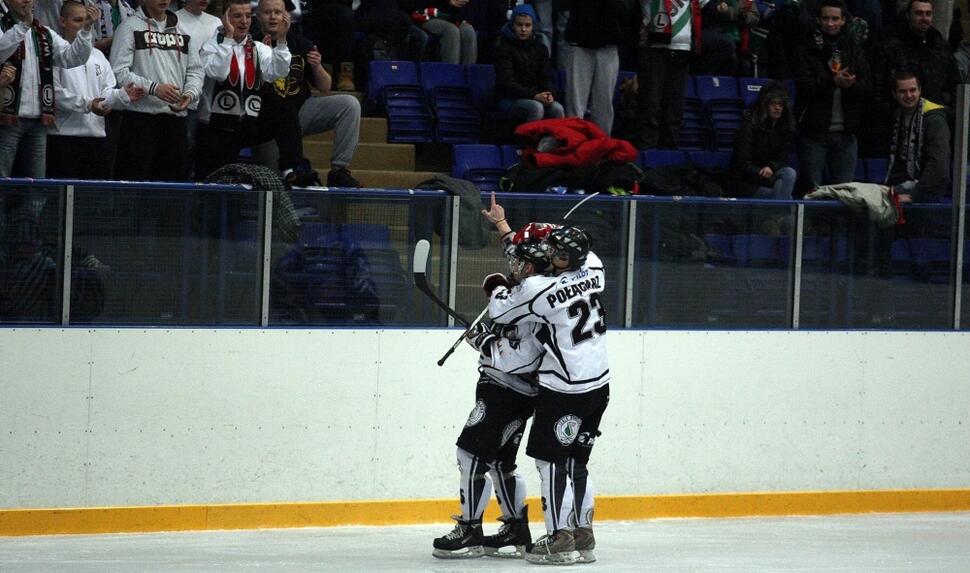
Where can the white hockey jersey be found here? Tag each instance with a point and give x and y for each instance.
(514, 359)
(569, 310)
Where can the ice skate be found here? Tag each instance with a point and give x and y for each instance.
(556, 549)
(512, 539)
(464, 541)
(585, 544)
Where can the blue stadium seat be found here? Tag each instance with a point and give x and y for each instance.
(711, 88)
(758, 250)
(369, 236)
(650, 158)
(510, 155)
(710, 159)
(860, 171)
(456, 117)
(391, 77)
(481, 164)
(481, 80)
(749, 89)
(876, 169)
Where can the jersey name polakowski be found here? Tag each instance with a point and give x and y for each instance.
(148, 40)
(569, 310)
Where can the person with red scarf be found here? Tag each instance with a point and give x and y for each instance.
(231, 112)
(33, 51)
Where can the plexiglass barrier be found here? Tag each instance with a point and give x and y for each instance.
(193, 255)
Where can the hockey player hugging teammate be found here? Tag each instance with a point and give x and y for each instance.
(573, 385)
(489, 442)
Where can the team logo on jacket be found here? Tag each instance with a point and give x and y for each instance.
(47, 95)
(510, 430)
(8, 96)
(567, 428)
(477, 414)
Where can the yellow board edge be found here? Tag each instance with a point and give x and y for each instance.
(18, 522)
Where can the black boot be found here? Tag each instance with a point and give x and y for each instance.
(464, 541)
(513, 537)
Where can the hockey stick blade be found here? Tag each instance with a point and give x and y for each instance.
(419, 270)
(454, 346)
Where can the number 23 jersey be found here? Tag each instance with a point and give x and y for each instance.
(569, 309)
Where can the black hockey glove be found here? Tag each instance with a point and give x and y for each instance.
(493, 281)
(481, 337)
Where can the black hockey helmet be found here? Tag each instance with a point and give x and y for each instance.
(527, 252)
(570, 243)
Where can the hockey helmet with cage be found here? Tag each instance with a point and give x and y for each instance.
(525, 253)
(569, 243)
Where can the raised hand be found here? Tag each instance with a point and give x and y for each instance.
(227, 28)
(93, 15)
(284, 28)
(495, 213)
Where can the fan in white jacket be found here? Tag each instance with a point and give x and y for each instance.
(77, 148)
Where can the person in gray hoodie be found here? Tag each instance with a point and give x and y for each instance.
(153, 52)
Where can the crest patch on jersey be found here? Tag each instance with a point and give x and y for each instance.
(510, 429)
(477, 414)
(567, 428)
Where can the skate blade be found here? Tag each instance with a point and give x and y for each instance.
(507, 552)
(585, 556)
(466, 553)
(565, 558)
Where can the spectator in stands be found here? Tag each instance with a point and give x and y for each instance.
(48, 13)
(113, 13)
(443, 19)
(593, 33)
(152, 51)
(28, 111)
(919, 160)
(317, 114)
(523, 71)
(552, 18)
(831, 80)
(231, 113)
(918, 47)
(667, 41)
(763, 145)
(330, 24)
(200, 26)
(385, 20)
(83, 95)
(725, 29)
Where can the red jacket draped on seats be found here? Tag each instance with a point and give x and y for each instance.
(582, 143)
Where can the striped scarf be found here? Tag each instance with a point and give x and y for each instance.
(237, 97)
(44, 50)
(913, 139)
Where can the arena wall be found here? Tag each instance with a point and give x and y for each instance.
(152, 417)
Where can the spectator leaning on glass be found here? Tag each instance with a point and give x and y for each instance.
(523, 70)
(832, 81)
(762, 147)
(919, 159)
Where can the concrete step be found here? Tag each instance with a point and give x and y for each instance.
(387, 179)
(380, 156)
(372, 130)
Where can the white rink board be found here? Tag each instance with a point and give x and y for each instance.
(122, 417)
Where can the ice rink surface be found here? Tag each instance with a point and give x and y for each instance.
(937, 542)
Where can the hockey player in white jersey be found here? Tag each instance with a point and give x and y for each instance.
(573, 380)
(489, 442)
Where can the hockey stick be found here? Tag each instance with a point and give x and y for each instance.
(441, 362)
(577, 205)
(420, 270)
